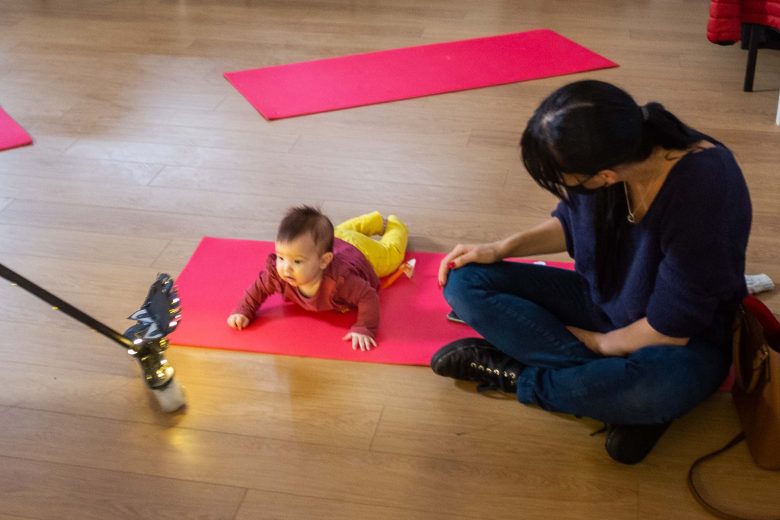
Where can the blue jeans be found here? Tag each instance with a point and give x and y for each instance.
(522, 309)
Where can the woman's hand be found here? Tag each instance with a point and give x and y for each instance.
(622, 342)
(592, 340)
(463, 254)
(545, 238)
(362, 341)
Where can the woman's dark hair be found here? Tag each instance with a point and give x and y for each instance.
(589, 126)
(306, 219)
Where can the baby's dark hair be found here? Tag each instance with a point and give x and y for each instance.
(307, 219)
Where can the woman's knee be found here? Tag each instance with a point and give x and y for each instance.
(463, 282)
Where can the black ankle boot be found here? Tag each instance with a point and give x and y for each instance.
(630, 443)
(474, 359)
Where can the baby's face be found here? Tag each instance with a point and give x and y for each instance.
(299, 262)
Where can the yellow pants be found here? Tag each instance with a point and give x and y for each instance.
(385, 254)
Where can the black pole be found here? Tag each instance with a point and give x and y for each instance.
(64, 306)
(750, 71)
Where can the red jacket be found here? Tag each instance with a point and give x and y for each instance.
(727, 17)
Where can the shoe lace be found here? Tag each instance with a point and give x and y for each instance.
(502, 376)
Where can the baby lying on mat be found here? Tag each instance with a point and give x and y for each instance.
(320, 268)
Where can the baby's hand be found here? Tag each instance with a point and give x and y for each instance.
(237, 321)
(360, 340)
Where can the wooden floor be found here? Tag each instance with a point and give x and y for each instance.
(141, 148)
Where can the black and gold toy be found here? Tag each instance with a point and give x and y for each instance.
(146, 341)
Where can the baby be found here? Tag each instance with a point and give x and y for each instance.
(320, 268)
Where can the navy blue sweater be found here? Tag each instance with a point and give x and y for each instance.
(685, 260)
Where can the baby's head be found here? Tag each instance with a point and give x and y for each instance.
(304, 245)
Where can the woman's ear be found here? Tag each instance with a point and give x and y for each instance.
(326, 259)
(609, 177)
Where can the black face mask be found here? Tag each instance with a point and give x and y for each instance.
(579, 189)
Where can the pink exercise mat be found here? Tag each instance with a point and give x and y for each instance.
(413, 311)
(11, 133)
(363, 79)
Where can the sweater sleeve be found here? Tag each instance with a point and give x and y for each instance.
(266, 284)
(357, 292)
(703, 244)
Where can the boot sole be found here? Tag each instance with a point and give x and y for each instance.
(627, 454)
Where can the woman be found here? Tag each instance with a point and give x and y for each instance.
(656, 216)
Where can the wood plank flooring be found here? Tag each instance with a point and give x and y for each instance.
(141, 148)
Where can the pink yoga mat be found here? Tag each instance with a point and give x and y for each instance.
(11, 133)
(413, 311)
(376, 77)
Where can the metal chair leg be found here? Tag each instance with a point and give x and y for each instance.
(754, 32)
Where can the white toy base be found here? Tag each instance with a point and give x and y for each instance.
(171, 398)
